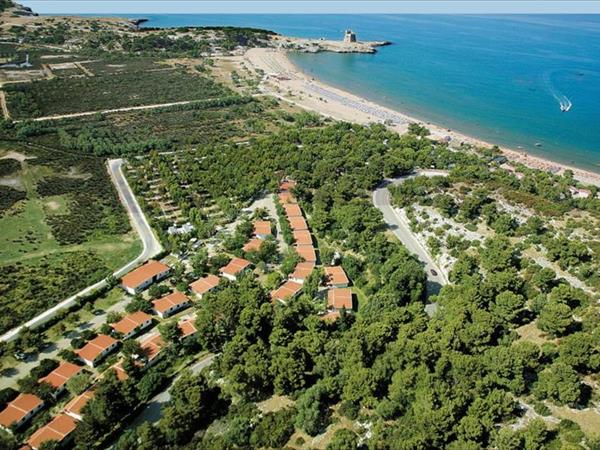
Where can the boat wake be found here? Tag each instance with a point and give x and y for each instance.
(563, 101)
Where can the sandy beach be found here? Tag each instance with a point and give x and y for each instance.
(286, 82)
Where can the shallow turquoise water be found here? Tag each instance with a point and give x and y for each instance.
(500, 78)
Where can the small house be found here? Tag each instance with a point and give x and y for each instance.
(335, 277)
(96, 349)
(20, 410)
(132, 324)
(235, 268)
(58, 429)
(204, 285)
(139, 279)
(170, 304)
(59, 377)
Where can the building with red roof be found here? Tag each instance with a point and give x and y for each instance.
(20, 410)
(96, 349)
(286, 292)
(139, 279)
(286, 197)
(262, 229)
(170, 304)
(339, 298)
(335, 277)
(306, 252)
(302, 271)
(253, 245)
(187, 327)
(204, 285)
(303, 237)
(235, 268)
(152, 348)
(132, 324)
(58, 429)
(297, 223)
(75, 407)
(292, 210)
(286, 185)
(58, 377)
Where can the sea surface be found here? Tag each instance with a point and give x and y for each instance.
(499, 78)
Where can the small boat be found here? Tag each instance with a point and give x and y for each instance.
(538, 144)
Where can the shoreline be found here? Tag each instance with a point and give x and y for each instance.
(288, 82)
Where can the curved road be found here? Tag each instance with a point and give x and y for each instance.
(400, 228)
(151, 247)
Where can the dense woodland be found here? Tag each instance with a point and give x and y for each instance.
(459, 379)
(418, 382)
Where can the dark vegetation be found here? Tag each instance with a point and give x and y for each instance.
(9, 166)
(441, 382)
(25, 290)
(72, 95)
(9, 196)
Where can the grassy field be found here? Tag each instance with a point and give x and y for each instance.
(37, 269)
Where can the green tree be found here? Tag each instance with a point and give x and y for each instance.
(559, 383)
(555, 318)
(343, 439)
(313, 412)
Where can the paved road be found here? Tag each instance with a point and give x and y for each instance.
(151, 247)
(382, 201)
(152, 412)
(9, 376)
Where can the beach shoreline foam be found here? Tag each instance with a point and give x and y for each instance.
(284, 80)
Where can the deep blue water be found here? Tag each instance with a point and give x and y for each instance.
(500, 78)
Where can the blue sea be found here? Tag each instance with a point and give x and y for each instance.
(499, 78)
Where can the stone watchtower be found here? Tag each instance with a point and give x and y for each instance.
(349, 36)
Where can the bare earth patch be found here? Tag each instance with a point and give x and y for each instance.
(588, 419)
(532, 333)
(16, 155)
(275, 403)
(13, 182)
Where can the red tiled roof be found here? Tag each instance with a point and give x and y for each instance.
(56, 430)
(339, 298)
(287, 290)
(119, 371)
(143, 273)
(335, 275)
(63, 373)
(303, 237)
(286, 197)
(307, 252)
(152, 346)
(95, 347)
(131, 321)
(262, 227)
(205, 284)
(187, 327)
(168, 301)
(76, 405)
(19, 408)
(292, 210)
(235, 266)
(303, 270)
(297, 223)
(252, 245)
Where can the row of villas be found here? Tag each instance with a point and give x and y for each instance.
(339, 296)
(26, 406)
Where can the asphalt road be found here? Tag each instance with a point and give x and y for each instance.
(151, 247)
(382, 201)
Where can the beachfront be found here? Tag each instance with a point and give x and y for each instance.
(285, 81)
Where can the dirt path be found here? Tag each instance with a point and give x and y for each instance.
(5, 112)
(84, 69)
(116, 110)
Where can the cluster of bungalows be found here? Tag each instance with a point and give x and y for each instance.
(262, 230)
(339, 295)
(303, 245)
(25, 406)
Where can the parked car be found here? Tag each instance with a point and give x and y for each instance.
(433, 272)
